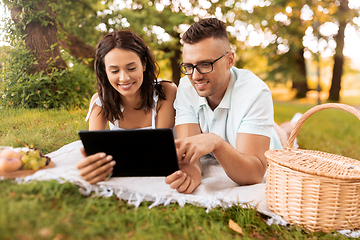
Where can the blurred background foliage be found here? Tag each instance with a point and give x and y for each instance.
(47, 57)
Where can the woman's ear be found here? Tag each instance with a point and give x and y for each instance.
(144, 64)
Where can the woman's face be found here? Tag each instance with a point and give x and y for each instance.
(124, 71)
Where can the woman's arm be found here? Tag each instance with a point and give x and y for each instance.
(165, 117)
(97, 119)
(97, 167)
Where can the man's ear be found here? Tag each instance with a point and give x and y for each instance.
(231, 59)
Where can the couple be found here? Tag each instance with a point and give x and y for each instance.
(220, 109)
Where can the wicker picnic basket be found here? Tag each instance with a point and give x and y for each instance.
(316, 190)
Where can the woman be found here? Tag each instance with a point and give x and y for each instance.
(128, 95)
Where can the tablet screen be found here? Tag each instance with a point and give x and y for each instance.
(137, 152)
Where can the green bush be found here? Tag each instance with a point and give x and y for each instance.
(19, 87)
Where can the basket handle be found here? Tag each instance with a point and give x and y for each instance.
(307, 114)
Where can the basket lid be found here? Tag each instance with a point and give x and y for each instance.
(317, 163)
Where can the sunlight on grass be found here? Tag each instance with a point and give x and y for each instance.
(46, 129)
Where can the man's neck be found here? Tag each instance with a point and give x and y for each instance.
(215, 99)
(212, 104)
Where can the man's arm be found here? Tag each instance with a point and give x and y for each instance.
(245, 165)
(187, 130)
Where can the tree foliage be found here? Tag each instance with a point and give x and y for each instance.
(152, 22)
(53, 29)
(283, 24)
(55, 88)
(34, 72)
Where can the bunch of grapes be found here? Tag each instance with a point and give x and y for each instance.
(34, 159)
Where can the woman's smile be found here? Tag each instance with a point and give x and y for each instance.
(126, 86)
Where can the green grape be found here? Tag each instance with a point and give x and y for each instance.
(36, 167)
(34, 153)
(25, 159)
(34, 159)
(33, 162)
(42, 162)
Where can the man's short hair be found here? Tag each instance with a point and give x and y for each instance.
(205, 28)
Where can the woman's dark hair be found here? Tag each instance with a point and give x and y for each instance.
(110, 98)
(205, 28)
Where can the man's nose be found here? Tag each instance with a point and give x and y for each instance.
(196, 75)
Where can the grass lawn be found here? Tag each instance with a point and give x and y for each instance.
(49, 210)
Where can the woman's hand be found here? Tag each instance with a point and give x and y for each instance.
(95, 168)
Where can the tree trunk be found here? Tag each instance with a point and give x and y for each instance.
(40, 38)
(82, 51)
(300, 80)
(175, 58)
(176, 75)
(334, 92)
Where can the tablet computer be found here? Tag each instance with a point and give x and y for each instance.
(137, 152)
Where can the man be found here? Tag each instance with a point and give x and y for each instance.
(221, 110)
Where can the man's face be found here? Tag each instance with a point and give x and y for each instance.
(211, 85)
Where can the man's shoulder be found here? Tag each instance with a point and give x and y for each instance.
(245, 77)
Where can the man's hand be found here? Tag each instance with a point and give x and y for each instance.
(95, 168)
(187, 179)
(190, 149)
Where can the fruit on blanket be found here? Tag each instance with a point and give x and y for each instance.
(34, 159)
(28, 158)
(10, 160)
(10, 164)
(9, 153)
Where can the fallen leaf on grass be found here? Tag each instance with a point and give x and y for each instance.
(131, 233)
(45, 232)
(234, 226)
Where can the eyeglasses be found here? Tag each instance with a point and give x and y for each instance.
(204, 67)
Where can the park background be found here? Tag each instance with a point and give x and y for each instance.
(298, 47)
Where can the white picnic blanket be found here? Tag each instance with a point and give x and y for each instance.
(216, 188)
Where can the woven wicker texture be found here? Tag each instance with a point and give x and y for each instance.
(319, 191)
(318, 163)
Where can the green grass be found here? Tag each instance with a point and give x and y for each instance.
(47, 129)
(330, 130)
(50, 210)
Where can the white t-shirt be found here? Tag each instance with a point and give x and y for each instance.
(115, 126)
(246, 107)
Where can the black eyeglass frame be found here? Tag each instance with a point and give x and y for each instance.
(196, 66)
